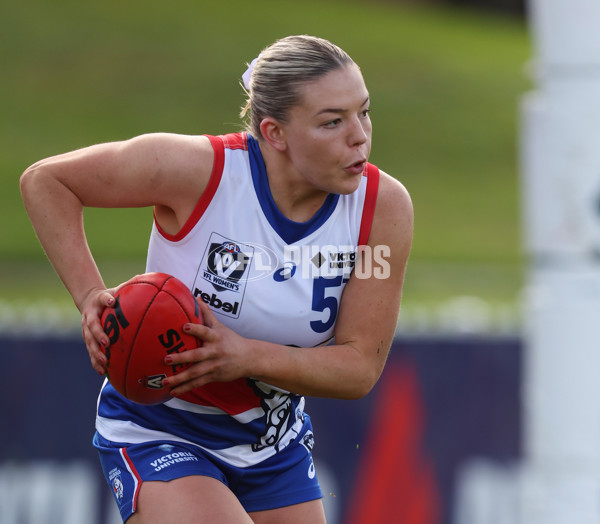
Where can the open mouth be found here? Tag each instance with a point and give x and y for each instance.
(357, 166)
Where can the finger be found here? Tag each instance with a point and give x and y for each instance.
(96, 354)
(99, 367)
(195, 370)
(99, 335)
(200, 331)
(97, 358)
(191, 356)
(208, 317)
(108, 299)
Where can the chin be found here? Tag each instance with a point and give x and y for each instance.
(345, 191)
(349, 186)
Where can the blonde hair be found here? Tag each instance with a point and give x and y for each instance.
(281, 70)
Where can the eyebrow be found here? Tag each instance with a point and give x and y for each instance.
(340, 110)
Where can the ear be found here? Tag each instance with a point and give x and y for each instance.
(274, 133)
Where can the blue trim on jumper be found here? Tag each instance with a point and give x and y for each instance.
(287, 229)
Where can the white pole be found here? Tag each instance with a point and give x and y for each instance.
(561, 212)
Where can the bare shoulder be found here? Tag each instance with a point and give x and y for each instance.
(173, 168)
(393, 193)
(394, 216)
(161, 169)
(172, 150)
(172, 140)
(179, 168)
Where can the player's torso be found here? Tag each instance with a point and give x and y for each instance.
(262, 282)
(261, 285)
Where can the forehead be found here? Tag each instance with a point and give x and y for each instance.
(343, 88)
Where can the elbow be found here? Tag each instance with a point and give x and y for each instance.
(363, 385)
(363, 377)
(356, 394)
(27, 182)
(35, 185)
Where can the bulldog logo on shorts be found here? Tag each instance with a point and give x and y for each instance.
(116, 483)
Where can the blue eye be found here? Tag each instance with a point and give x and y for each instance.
(333, 123)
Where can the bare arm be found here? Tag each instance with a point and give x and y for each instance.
(364, 331)
(161, 170)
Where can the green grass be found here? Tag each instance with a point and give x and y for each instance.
(445, 87)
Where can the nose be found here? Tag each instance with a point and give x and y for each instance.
(358, 134)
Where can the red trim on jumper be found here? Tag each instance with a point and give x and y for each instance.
(138, 479)
(207, 195)
(366, 221)
(235, 141)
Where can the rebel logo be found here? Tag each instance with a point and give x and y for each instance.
(217, 303)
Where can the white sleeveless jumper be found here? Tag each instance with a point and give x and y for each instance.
(266, 278)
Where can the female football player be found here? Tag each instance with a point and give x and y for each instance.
(234, 443)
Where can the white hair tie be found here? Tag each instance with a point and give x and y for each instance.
(246, 76)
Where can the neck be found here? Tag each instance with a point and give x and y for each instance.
(297, 199)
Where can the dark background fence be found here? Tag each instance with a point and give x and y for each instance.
(442, 426)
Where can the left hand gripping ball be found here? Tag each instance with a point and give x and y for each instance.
(144, 326)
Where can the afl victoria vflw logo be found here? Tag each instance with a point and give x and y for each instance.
(223, 274)
(226, 264)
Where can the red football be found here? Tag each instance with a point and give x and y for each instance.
(143, 327)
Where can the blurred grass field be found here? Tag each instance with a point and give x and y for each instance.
(445, 87)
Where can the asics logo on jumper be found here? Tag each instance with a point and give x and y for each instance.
(285, 273)
(311, 470)
(172, 458)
